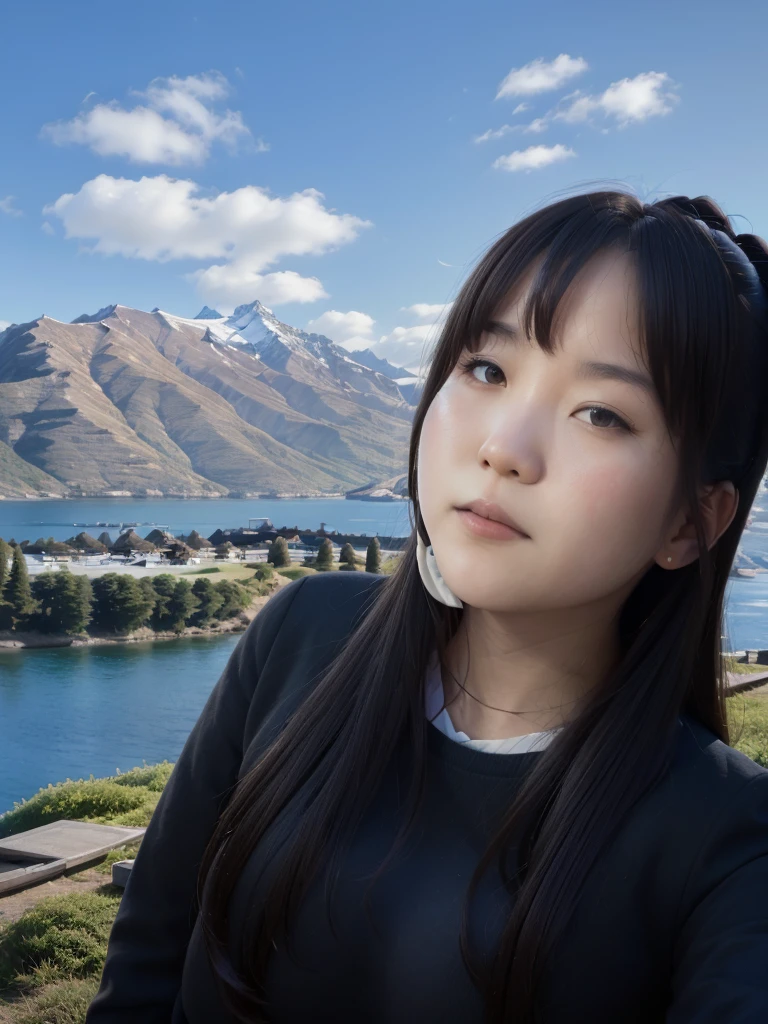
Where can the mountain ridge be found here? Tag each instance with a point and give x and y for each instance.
(129, 402)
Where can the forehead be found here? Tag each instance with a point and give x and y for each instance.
(599, 309)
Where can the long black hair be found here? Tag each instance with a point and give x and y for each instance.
(702, 292)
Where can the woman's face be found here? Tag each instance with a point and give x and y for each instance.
(594, 497)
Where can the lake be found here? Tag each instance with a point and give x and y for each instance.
(60, 519)
(74, 712)
(68, 712)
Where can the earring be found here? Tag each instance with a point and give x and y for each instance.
(669, 558)
(431, 578)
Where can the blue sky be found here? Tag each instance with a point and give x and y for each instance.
(347, 163)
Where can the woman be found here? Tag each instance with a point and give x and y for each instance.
(501, 790)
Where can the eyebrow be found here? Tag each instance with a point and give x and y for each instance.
(588, 369)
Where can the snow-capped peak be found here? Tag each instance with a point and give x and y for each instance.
(206, 313)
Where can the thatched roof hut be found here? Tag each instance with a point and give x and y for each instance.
(131, 541)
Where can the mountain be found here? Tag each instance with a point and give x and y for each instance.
(94, 318)
(206, 313)
(125, 402)
(373, 362)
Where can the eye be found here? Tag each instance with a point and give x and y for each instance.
(616, 422)
(472, 364)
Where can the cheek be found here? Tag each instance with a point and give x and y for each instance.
(443, 440)
(620, 504)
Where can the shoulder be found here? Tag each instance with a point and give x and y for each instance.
(709, 783)
(327, 603)
(716, 804)
(703, 761)
(290, 643)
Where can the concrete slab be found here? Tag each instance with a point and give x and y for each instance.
(74, 842)
(15, 874)
(121, 871)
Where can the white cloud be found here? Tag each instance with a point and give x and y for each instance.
(47, 228)
(230, 284)
(8, 206)
(403, 346)
(4, 324)
(352, 330)
(631, 99)
(538, 124)
(177, 124)
(408, 346)
(520, 108)
(497, 133)
(533, 158)
(541, 76)
(247, 230)
(433, 311)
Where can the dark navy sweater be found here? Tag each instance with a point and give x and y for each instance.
(672, 924)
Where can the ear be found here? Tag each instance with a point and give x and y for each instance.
(718, 503)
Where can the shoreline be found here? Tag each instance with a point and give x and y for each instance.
(37, 641)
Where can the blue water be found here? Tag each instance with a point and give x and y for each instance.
(69, 713)
(28, 520)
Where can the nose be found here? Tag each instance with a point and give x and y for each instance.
(511, 448)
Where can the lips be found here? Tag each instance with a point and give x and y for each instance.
(490, 510)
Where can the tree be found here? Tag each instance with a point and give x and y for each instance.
(348, 559)
(120, 604)
(279, 555)
(324, 556)
(347, 554)
(194, 540)
(210, 602)
(18, 592)
(105, 539)
(164, 585)
(235, 599)
(224, 548)
(147, 588)
(181, 606)
(373, 556)
(64, 602)
(6, 554)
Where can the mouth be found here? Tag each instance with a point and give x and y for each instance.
(487, 519)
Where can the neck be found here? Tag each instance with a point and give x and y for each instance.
(537, 670)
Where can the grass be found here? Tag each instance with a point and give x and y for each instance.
(742, 668)
(128, 798)
(748, 721)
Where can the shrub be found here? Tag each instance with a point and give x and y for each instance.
(373, 556)
(99, 800)
(69, 800)
(262, 570)
(348, 554)
(279, 555)
(235, 596)
(324, 559)
(62, 937)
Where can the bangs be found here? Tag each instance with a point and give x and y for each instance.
(687, 306)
